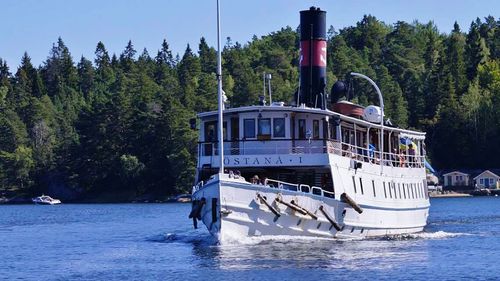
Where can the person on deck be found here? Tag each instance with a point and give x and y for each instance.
(402, 158)
(255, 179)
(411, 153)
(394, 156)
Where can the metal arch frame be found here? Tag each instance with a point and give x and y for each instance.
(381, 101)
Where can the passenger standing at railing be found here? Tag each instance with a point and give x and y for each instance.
(363, 152)
(402, 158)
(411, 153)
(352, 151)
(394, 157)
(371, 152)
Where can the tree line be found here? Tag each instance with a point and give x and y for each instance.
(120, 123)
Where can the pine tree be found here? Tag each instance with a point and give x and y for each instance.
(189, 71)
(101, 56)
(164, 55)
(455, 50)
(476, 50)
(127, 57)
(86, 76)
(208, 57)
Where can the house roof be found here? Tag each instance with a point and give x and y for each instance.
(456, 172)
(471, 172)
(487, 172)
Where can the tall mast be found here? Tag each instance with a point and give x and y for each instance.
(219, 94)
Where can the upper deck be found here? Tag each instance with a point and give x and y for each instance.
(280, 136)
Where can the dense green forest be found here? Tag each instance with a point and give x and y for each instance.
(120, 123)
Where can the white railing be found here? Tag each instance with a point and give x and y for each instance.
(304, 188)
(360, 153)
(267, 147)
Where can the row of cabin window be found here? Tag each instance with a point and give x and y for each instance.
(278, 126)
(410, 191)
(264, 127)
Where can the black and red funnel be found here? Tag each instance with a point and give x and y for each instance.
(312, 58)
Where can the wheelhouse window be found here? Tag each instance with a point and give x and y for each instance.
(333, 130)
(302, 128)
(264, 127)
(315, 129)
(210, 131)
(224, 130)
(249, 128)
(278, 127)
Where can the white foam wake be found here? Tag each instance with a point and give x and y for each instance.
(435, 235)
(254, 240)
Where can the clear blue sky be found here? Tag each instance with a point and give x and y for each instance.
(34, 25)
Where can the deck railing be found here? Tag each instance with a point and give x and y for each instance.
(304, 188)
(281, 185)
(402, 158)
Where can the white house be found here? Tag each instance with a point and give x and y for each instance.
(456, 178)
(487, 179)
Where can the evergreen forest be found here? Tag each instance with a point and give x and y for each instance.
(120, 123)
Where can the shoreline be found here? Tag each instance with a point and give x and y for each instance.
(449, 195)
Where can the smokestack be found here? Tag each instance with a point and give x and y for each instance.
(312, 58)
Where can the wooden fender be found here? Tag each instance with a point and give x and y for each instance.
(263, 199)
(304, 209)
(291, 206)
(348, 200)
(195, 214)
(327, 216)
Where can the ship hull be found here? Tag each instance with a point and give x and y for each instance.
(236, 209)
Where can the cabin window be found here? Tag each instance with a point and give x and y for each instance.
(210, 131)
(361, 185)
(249, 128)
(390, 191)
(278, 127)
(333, 130)
(347, 135)
(399, 190)
(315, 129)
(354, 184)
(224, 130)
(385, 191)
(264, 127)
(302, 128)
(373, 186)
(426, 189)
(404, 191)
(481, 181)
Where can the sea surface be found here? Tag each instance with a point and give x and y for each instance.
(158, 242)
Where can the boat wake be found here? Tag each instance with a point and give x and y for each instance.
(427, 235)
(275, 239)
(183, 237)
(207, 240)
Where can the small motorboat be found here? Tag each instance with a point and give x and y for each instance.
(45, 200)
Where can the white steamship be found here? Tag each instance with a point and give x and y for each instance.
(319, 167)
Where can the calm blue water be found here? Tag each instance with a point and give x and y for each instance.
(156, 241)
